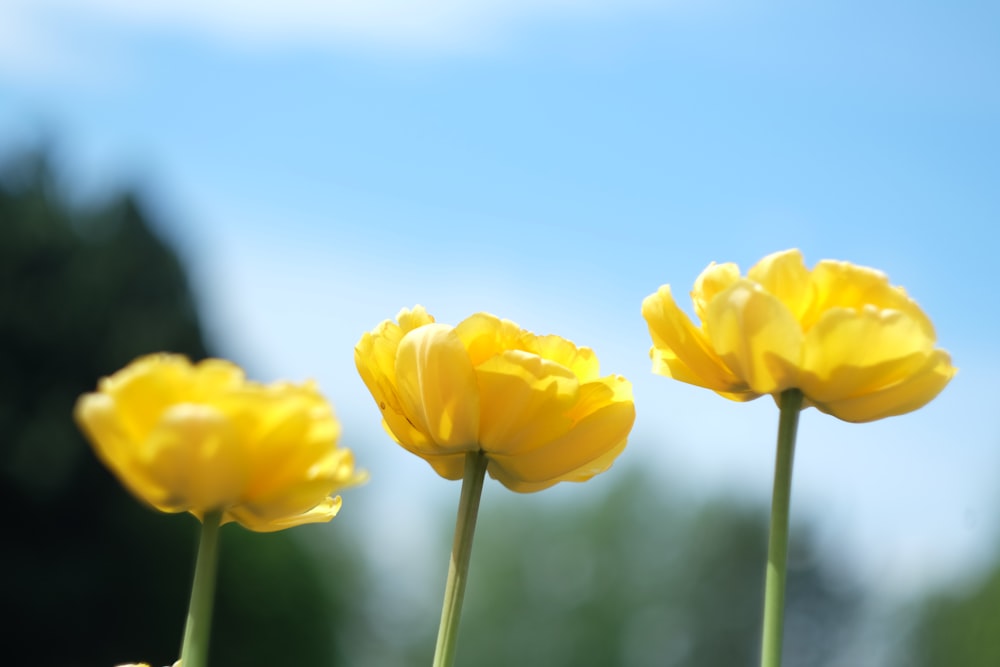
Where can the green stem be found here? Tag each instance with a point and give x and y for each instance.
(461, 550)
(777, 547)
(194, 651)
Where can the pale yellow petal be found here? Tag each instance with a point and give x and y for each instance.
(194, 460)
(375, 359)
(849, 353)
(485, 336)
(375, 354)
(524, 401)
(406, 433)
(146, 387)
(581, 474)
(756, 336)
(911, 393)
(714, 279)
(210, 378)
(583, 449)
(264, 455)
(437, 387)
(681, 350)
(97, 416)
(580, 360)
(291, 434)
(449, 466)
(251, 520)
(310, 488)
(841, 333)
(836, 284)
(784, 274)
(411, 319)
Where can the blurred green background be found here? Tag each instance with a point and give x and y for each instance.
(634, 576)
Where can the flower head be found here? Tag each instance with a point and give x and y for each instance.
(857, 347)
(535, 405)
(201, 438)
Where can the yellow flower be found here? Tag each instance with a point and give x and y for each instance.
(857, 347)
(534, 405)
(201, 438)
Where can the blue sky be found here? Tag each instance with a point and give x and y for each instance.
(321, 165)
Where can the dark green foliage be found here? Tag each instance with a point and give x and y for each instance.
(88, 576)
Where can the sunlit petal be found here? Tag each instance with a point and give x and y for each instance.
(855, 345)
(437, 387)
(785, 276)
(524, 401)
(850, 353)
(265, 456)
(911, 393)
(756, 336)
(681, 350)
(714, 279)
(605, 419)
(487, 385)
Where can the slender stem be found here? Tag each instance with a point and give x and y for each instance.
(461, 550)
(777, 547)
(194, 651)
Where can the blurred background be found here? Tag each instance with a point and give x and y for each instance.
(267, 181)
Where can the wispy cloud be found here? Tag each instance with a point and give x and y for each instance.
(33, 33)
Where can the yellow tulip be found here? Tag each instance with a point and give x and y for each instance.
(857, 347)
(200, 438)
(534, 405)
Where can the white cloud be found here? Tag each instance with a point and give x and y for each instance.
(34, 33)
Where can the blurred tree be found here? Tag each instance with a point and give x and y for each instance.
(960, 629)
(633, 579)
(88, 576)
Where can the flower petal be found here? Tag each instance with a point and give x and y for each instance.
(849, 353)
(485, 336)
(292, 435)
(145, 388)
(605, 416)
(842, 284)
(913, 392)
(449, 466)
(194, 460)
(98, 417)
(437, 387)
(784, 274)
(755, 335)
(681, 350)
(714, 279)
(580, 360)
(213, 441)
(375, 359)
(581, 474)
(251, 520)
(524, 401)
